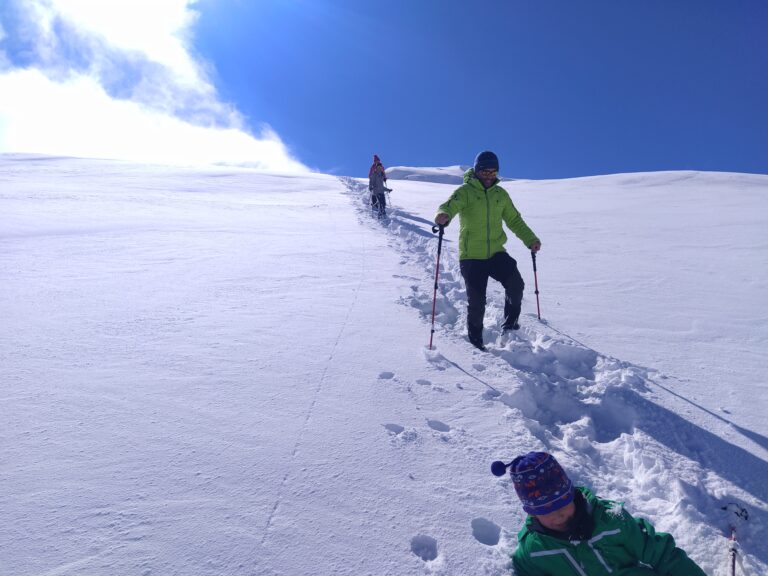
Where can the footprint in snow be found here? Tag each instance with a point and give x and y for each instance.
(386, 375)
(486, 532)
(478, 367)
(400, 435)
(394, 428)
(423, 382)
(425, 547)
(418, 300)
(439, 426)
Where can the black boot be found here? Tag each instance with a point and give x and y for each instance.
(477, 341)
(513, 326)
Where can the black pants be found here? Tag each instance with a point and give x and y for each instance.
(503, 268)
(379, 202)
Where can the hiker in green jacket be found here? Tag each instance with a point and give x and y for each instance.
(569, 531)
(482, 206)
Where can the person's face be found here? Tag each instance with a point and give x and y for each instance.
(559, 519)
(487, 177)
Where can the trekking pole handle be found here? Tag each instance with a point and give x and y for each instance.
(435, 228)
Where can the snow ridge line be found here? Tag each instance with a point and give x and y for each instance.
(599, 412)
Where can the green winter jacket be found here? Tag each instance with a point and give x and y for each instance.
(620, 545)
(481, 211)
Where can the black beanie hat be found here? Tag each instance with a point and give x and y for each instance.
(486, 160)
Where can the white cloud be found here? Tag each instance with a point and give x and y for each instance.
(154, 28)
(85, 121)
(117, 79)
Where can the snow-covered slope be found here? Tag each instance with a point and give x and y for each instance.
(445, 175)
(217, 371)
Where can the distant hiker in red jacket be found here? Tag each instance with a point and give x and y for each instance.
(377, 184)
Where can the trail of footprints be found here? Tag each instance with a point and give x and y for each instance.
(484, 531)
(558, 381)
(561, 386)
(424, 546)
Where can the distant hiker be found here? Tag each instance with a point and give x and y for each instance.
(377, 184)
(571, 531)
(482, 206)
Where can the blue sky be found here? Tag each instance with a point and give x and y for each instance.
(557, 88)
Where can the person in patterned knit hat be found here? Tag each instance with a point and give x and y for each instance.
(569, 530)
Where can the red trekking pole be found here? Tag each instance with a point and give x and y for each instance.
(733, 543)
(536, 283)
(437, 273)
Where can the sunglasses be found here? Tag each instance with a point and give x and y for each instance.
(487, 173)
